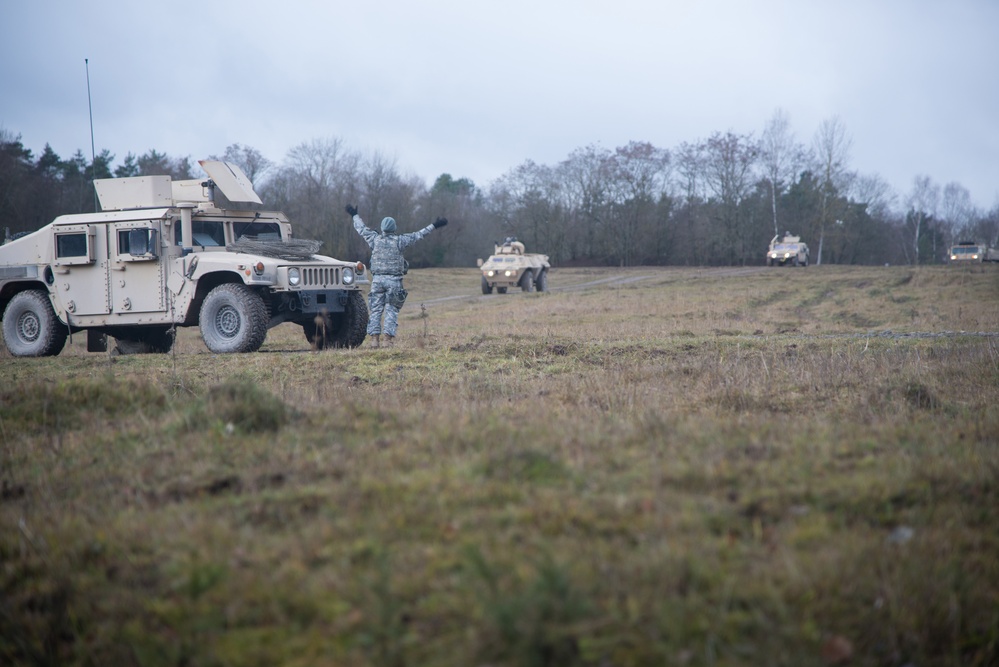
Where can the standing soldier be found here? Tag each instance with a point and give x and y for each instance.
(387, 269)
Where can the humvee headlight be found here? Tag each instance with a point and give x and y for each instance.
(294, 276)
(348, 276)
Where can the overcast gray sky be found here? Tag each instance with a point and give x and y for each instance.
(476, 87)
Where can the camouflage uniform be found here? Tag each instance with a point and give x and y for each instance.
(387, 268)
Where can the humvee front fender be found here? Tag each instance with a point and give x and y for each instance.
(206, 284)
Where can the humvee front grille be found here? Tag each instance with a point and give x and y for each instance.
(320, 276)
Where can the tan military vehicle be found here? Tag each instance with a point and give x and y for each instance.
(509, 266)
(160, 255)
(787, 250)
(969, 251)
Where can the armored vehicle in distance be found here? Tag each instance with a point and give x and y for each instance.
(160, 255)
(509, 266)
(787, 250)
(969, 251)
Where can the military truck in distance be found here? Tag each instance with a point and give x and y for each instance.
(969, 251)
(787, 250)
(509, 266)
(159, 255)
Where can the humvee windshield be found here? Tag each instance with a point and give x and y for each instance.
(964, 250)
(206, 233)
(262, 231)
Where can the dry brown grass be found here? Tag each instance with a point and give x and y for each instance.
(672, 466)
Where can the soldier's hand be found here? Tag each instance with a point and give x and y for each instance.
(440, 222)
(351, 210)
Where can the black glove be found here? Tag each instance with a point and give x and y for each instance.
(351, 210)
(440, 222)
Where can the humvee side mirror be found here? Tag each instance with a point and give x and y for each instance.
(479, 262)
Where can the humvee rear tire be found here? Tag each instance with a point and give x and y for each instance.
(527, 282)
(486, 289)
(233, 319)
(30, 326)
(542, 282)
(346, 329)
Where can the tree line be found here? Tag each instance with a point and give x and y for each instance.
(716, 201)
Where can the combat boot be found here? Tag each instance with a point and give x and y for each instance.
(389, 340)
(378, 340)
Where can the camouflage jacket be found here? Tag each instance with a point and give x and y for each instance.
(386, 249)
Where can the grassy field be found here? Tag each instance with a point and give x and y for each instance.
(738, 466)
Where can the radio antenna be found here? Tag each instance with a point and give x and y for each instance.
(93, 151)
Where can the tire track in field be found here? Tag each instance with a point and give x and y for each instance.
(609, 282)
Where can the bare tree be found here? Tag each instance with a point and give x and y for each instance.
(876, 193)
(957, 213)
(530, 207)
(832, 152)
(780, 156)
(640, 179)
(922, 201)
(586, 178)
(314, 185)
(691, 216)
(729, 162)
(250, 160)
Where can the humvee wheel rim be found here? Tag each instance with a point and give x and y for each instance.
(227, 322)
(28, 327)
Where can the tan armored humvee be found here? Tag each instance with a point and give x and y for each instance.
(969, 251)
(161, 255)
(509, 266)
(789, 250)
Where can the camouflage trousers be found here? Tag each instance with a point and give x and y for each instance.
(384, 300)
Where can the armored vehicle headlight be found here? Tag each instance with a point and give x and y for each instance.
(787, 254)
(490, 273)
(508, 273)
(348, 276)
(294, 276)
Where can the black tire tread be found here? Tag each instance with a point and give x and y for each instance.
(253, 313)
(52, 333)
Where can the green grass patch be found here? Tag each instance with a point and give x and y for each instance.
(683, 472)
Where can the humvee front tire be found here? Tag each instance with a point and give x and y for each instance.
(233, 319)
(346, 329)
(30, 326)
